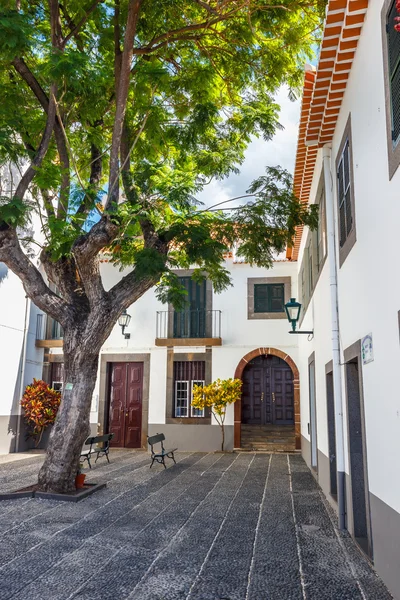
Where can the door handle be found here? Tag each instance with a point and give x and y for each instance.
(262, 397)
(273, 397)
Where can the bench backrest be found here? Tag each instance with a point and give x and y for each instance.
(155, 439)
(100, 439)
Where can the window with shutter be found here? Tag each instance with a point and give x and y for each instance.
(269, 297)
(393, 45)
(344, 195)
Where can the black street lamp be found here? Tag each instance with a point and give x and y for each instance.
(123, 322)
(293, 309)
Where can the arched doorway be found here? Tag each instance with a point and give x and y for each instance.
(271, 395)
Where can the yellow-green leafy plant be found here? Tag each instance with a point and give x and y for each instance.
(216, 397)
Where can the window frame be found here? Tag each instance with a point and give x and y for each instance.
(312, 254)
(193, 410)
(393, 146)
(252, 282)
(170, 404)
(269, 287)
(351, 236)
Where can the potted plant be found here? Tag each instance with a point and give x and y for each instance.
(216, 397)
(40, 403)
(80, 478)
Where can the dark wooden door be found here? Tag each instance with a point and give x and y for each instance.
(126, 389)
(267, 393)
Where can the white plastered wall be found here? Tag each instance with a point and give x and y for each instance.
(369, 279)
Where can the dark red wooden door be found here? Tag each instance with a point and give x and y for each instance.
(267, 393)
(126, 389)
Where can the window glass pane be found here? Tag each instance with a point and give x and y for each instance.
(342, 225)
(346, 167)
(349, 217)
(181, 398)
(340, 183)
(195, 411)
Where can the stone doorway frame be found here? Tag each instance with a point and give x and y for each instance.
(296, 391)
(105, 360)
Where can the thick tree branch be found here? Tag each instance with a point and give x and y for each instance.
(13, 256)
(23, 70)
(85, 251)
(121, 99)
(55, 25)
(30, 173)
(76, 28)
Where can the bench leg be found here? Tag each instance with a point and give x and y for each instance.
(152, 462)
(163, 462)
(108, 460)
(88, 459)
(173, 458)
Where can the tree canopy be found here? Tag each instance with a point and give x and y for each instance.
(158, 97)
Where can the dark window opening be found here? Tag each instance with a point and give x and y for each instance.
(269, 297)
(344, 195)
(187, 374)
(393, 44)
(191, 322)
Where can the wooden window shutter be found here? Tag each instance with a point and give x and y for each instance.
(393, 43)
(344, 195)
(276, 297)
(260, 297)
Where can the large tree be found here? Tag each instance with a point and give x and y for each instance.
(117, 113)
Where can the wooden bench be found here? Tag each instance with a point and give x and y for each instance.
(93, 449)
(161, 454)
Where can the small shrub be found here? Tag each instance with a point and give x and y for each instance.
(40, 403)
(216, 397)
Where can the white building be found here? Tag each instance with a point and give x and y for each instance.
(335, 396)
(347, 160)
(145, 381)
(20, 360)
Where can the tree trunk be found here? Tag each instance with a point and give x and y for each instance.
(71, 426)
(223, 437)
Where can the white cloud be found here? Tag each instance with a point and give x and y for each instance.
(281, 150)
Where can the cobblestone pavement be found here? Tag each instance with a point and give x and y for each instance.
(213, 527)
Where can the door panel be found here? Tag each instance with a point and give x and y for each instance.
(125, 420)
(133, 420)
(267, 393)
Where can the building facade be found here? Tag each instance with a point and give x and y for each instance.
(347, 161)
(333, 395)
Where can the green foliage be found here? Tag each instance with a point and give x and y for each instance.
(13, 212)
(196, 97)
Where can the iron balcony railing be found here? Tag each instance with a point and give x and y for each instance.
(48, 329)
(188, 324)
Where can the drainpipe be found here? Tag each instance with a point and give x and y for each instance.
(22, 373)
(337, 374)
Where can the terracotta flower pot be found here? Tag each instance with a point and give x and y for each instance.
(80, 480)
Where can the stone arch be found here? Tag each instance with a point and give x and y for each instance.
(296, 388)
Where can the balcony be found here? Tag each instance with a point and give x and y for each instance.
(188, 328)
(49, 333)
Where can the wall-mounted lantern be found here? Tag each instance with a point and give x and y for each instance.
(293, 309)
(123, 322)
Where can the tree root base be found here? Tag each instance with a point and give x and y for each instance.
(32, 492)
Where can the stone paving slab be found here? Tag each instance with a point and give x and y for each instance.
(213, 527)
